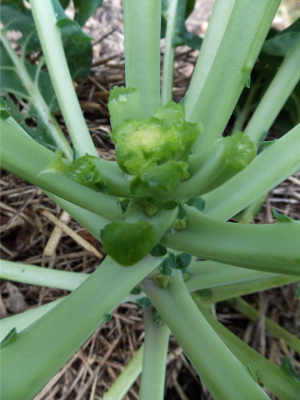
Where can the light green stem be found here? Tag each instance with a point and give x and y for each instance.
(210, 355)
(275, 97)
(267, 170)
(168, 65)
(142, 50)
(37, 99)
(221, 13)
(23, 320)
(277, 331)
(243, 38)
(68, 325)
(247, 286)
(243, 114)
(271, 248)
(154, 361)
(26, 159)
(127, 377)
(273, 377)
(50, 38)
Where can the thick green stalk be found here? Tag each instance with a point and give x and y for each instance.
(277, 331)
(221, 281)
(224, 292)
(37, 99)
(275, 97)
(142, 50)
(217, 25)
(243, 38)
(154, 361)
(266, 171)
(273, 377)
(64, 280)
(271, 248)
(127, 377)
(209, 355)
(23, 320)
(26, 159)
(168, 64)
(50, 38)
(68, 325)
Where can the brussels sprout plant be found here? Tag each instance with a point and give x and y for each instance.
(160, 210)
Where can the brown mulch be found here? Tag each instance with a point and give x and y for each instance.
(29, 235)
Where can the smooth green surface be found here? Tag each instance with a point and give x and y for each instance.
(50, 38)
(142, 50)
(271, 248)
(205, 350)
(267, 170)
(273, 377)
(90, 303)
(154, 361)
(245, 32)
(276, 95)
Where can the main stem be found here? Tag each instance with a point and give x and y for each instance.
(221, 372)
(154, 361)
(50, 38)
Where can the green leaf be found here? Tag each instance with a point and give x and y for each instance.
(182, 35)
(165, 268)
(84, 9)
(107, 317)
(4, 114)
(281, 218)
(85, 170)
(161, 280)
(9, 338)
(124, 203)
(158, 251)
(298, 291)
(286, 366)
(144, 302)
(168, 205)
(126, 242)
(283, 41)
(196, 202)
(183, 260)
(181, 212)
(136, 290)
(77, 44)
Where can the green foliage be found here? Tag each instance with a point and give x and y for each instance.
(126, 242)
(282, 42)
(85, 170)
(4, 114)
(152, 150)
(84, 9)
(9, 338)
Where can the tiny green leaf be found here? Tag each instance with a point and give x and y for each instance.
(298, 291)
(165, 268)
(181, 212)
(281, 218)
(197, 203)
(4, 114)
(158, 251)
(124, 203)
(161, 280)
(144, 302)
(107, 317)
(183, 260)
(9, 338)
(287, 367)
(157, 318)
(136, 290)
(168, 205)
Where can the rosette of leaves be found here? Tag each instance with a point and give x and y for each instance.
(154, 151)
